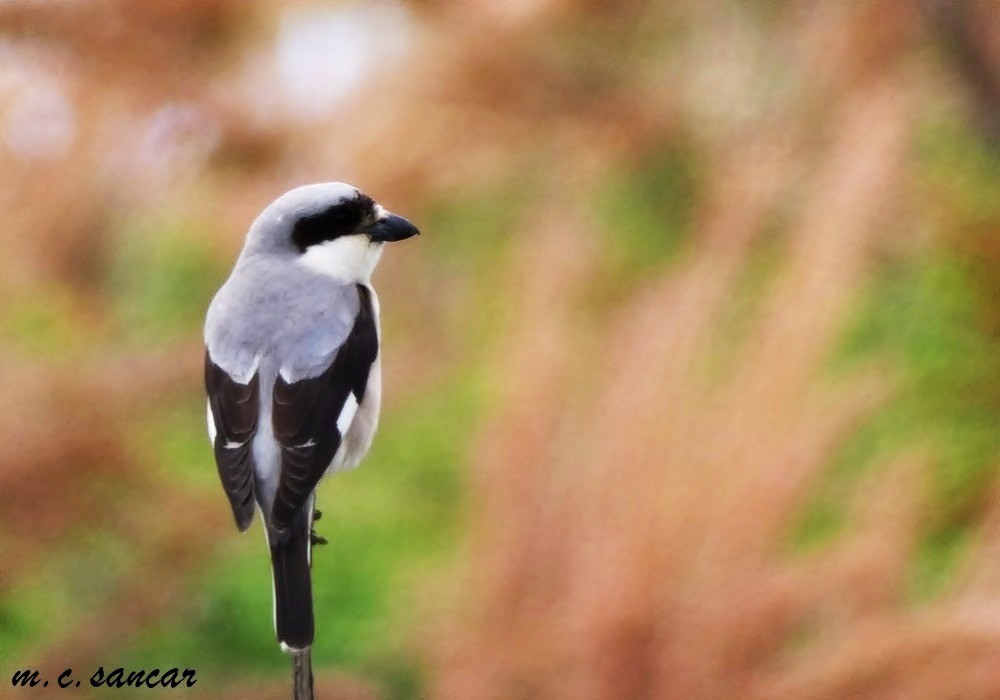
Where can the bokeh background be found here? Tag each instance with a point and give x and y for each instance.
(692, 381)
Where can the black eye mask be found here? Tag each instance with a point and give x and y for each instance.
(342, 219)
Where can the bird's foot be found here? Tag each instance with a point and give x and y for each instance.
(316, 538)
(317, 514)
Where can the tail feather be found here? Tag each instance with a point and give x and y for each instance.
(293, 605)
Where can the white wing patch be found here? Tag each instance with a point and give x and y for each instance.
(212, 431)
(347, 414)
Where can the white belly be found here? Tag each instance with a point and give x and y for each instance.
(358, 440)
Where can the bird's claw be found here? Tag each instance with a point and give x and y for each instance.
(313, 536)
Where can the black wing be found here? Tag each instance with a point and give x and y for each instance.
(234, 411)
(305, 414)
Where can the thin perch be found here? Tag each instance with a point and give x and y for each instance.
(302, 675)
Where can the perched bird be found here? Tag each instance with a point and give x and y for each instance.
(292, 372)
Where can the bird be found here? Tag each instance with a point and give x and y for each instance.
(293, 373)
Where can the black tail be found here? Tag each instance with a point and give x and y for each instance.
(293, 605)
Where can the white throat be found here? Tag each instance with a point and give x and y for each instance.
(350, 259)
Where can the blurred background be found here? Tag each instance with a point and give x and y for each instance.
(692, 383)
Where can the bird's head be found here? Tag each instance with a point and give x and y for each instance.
(332, 228)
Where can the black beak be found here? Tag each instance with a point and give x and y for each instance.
(392, 228)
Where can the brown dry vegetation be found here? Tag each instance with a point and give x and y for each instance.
(655, 431)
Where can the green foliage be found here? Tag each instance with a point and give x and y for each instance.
(75, 576)
(924, 315)
(644, 216)
(162, 280)
(960, 170)
(44, 321)
(472, 227)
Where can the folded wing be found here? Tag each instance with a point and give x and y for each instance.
(311, 416)
(232, 421)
